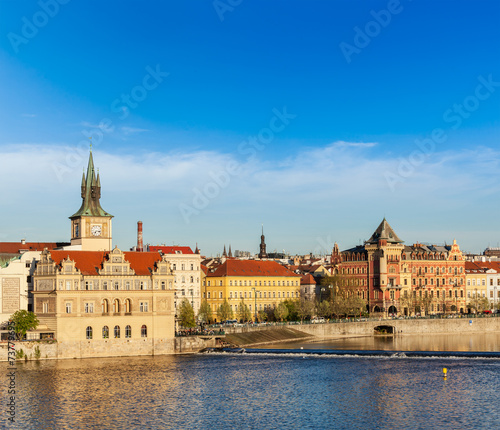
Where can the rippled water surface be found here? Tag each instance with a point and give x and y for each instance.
(264, 391)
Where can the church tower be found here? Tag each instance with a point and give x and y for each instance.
(91, 225)
(262, 253)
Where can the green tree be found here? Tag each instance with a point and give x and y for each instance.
(262, 316)
(281, 311)
(479, 303)
(186, 314)
(293, 309)
(244, 313)
(306, 309)
(23, 322)
(224, 311)
(324, 309)
(205, 312)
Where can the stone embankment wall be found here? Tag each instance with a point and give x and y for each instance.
(254, 335)
(105, 348)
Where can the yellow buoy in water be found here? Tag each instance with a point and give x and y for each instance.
(445, 371)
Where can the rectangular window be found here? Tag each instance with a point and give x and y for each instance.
(68, 308)
(220, 294)
(143, 306)
(127, 285)
(45, 307)
(105, 285)
(88, 285)
(68, 285)
(89, 308)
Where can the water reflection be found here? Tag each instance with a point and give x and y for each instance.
(252, 392)
(486, 342)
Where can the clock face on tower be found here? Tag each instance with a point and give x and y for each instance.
(96, 230)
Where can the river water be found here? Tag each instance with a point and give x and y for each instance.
(279, 387)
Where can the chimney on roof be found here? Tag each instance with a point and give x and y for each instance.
(140, 247)
(23, 241)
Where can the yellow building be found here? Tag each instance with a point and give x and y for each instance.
(260, 284)
(476, 281)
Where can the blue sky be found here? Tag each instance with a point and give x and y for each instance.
(210, 118)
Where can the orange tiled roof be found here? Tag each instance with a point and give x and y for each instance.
(90, 262)
(307, 280)
(171, 249)
(251, 268)
(17, 247)
(481, 266)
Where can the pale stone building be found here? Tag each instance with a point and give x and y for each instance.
(16, 285)
(186, 267)
(102, 302)
(109, 298)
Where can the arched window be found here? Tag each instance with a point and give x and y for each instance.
(105, 306)
(144, 331)
(105, 332)
(128, 306)
(117, 332)
(88, 332)
(116, 306)
(128, 332)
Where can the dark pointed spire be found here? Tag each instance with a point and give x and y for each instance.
(196, 251)
(384, 232)
(262, 253)
(91, 193)
(224, 254)
(230, 254)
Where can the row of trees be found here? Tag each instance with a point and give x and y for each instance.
(336, 302)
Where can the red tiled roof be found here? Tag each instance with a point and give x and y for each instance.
(17, 247)
(204, 268)
(89, 262)
(307, 280)
(171, 249)
(251, 268)
(481, 266)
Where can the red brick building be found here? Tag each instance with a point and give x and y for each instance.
(398, 279)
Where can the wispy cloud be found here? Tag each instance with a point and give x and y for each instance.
(333, 185)
(132, 130)
(343, 144)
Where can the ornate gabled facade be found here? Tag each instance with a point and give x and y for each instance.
(398, 279)
(105, 298)
(91, 224)
(102, 302)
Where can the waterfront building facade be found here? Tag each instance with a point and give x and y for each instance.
(483, 281)
(398, 279)
(262, 285)
(101, 302)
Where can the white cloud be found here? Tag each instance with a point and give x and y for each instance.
(312, 191)
(132, 130)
